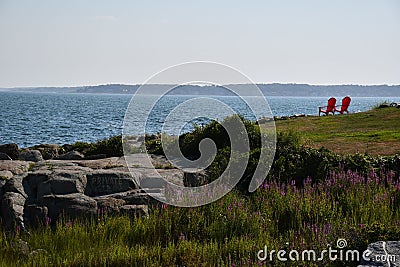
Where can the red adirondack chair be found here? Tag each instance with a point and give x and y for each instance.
(329, 108)
(344, 106)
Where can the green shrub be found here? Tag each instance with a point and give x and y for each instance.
(83, 147)
(292, 161)
(111, 146)
(153, 144)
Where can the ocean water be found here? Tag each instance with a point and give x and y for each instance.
(35, 118)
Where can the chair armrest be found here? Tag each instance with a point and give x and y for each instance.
(337, 107)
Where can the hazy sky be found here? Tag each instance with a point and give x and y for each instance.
(88, 42)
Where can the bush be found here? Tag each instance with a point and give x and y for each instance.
(153, 144)
(84, 147)
(292, 161)
(112, 147)
(189, 142)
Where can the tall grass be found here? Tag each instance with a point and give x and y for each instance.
(228, 232)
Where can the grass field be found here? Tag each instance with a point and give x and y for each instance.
(228, 232)
(375, 132)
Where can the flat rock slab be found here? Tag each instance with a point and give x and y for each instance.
(139, 164)
(139, 160)
(142, 160)
(58, 165)
(106, 163)
(15, 166)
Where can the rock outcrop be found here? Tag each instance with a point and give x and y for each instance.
(382, 253)
(31, 155)
(12, 210)
(34, 193)
(48, 151)
(73, 205)
(15, 166)
(11, 150)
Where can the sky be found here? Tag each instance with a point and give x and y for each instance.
(90, 42)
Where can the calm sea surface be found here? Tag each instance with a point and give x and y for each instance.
(34, 118)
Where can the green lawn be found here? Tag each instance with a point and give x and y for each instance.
(375, 132)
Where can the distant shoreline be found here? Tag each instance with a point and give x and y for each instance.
(274, 89)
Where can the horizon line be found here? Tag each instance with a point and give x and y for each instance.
(139, 84)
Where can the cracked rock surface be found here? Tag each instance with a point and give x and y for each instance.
(382, 253)
(33, 193)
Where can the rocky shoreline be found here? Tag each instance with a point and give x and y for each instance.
(38, 186)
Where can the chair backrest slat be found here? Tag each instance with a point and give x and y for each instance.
(346, 103)
(331, 104)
